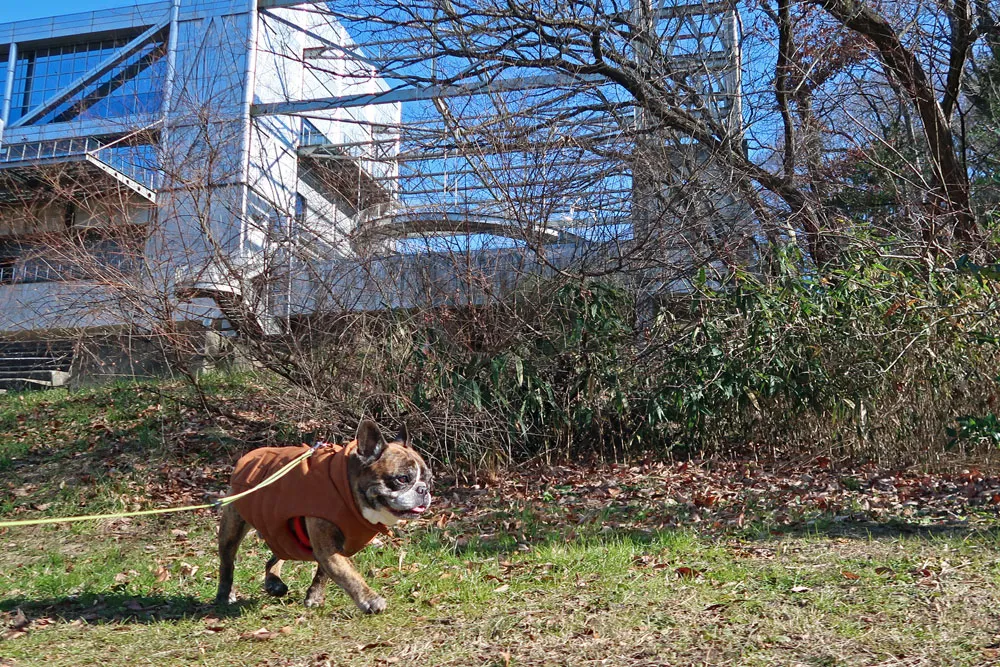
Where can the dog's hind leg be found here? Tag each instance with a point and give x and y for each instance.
(232, 530)
(273, 585)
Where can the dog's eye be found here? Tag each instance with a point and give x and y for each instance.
(403, 479)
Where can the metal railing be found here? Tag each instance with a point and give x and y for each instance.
(112, 155)
(42, 150)
(151, 177)
(34, 270)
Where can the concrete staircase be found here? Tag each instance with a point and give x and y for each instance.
(35, 364)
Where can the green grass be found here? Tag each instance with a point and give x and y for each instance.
(503, 580)
(595, 598)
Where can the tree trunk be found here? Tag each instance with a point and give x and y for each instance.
(951, 180)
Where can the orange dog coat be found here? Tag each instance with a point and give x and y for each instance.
(316, 487)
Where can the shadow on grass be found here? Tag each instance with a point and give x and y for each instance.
(889, 529)
(117, 608)
(504, 545)
(84, 441)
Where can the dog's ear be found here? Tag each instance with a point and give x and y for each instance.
(403, 436)
(370, 441)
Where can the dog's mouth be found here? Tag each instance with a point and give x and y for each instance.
(411, 513)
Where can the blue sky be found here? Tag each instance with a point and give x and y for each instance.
(11, 10)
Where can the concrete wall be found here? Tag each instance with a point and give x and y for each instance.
(120, 355)
(327, 222)
(56, 305)
(273, 140)
(48, 217)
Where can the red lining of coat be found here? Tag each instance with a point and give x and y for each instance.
(298, 527)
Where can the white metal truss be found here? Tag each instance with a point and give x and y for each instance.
(419, 93)
(129, 182)
(696, 38)
(91, 151)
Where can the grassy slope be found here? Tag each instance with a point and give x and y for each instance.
(541, 576)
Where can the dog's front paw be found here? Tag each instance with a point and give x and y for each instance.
(314, 601)
(374, 606)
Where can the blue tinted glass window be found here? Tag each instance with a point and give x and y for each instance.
(131, 87)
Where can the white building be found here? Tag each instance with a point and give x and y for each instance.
(203, 164)
(131, 157)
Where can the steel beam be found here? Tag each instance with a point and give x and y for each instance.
(246, 118)
(275, 4)
(168, 83)
(139, 15)
(684, 9)
(8, 91)
(90, 127)
(330, 45)
(414, 93)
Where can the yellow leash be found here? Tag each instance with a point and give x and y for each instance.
(167, 510)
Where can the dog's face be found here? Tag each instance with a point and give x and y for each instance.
(390, 480)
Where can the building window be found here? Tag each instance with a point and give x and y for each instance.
(310, 135)
(8, 270)
(133, 86)
(84, 255)
(301, 209)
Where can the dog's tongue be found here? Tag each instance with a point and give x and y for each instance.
(420, 509)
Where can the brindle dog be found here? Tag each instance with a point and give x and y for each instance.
(389, 481)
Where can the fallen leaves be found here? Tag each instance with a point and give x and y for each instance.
(263, 634)
(360, 648)
(213, 625)
(17, 626)
(681, 572)
(751, 551)
(646, 560)
(188, 570)
(688, 572)
(716, 495)
(20, 621)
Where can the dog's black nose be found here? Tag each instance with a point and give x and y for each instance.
(422, 489)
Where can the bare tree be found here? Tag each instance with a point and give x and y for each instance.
(825, 55)
(559, 173)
